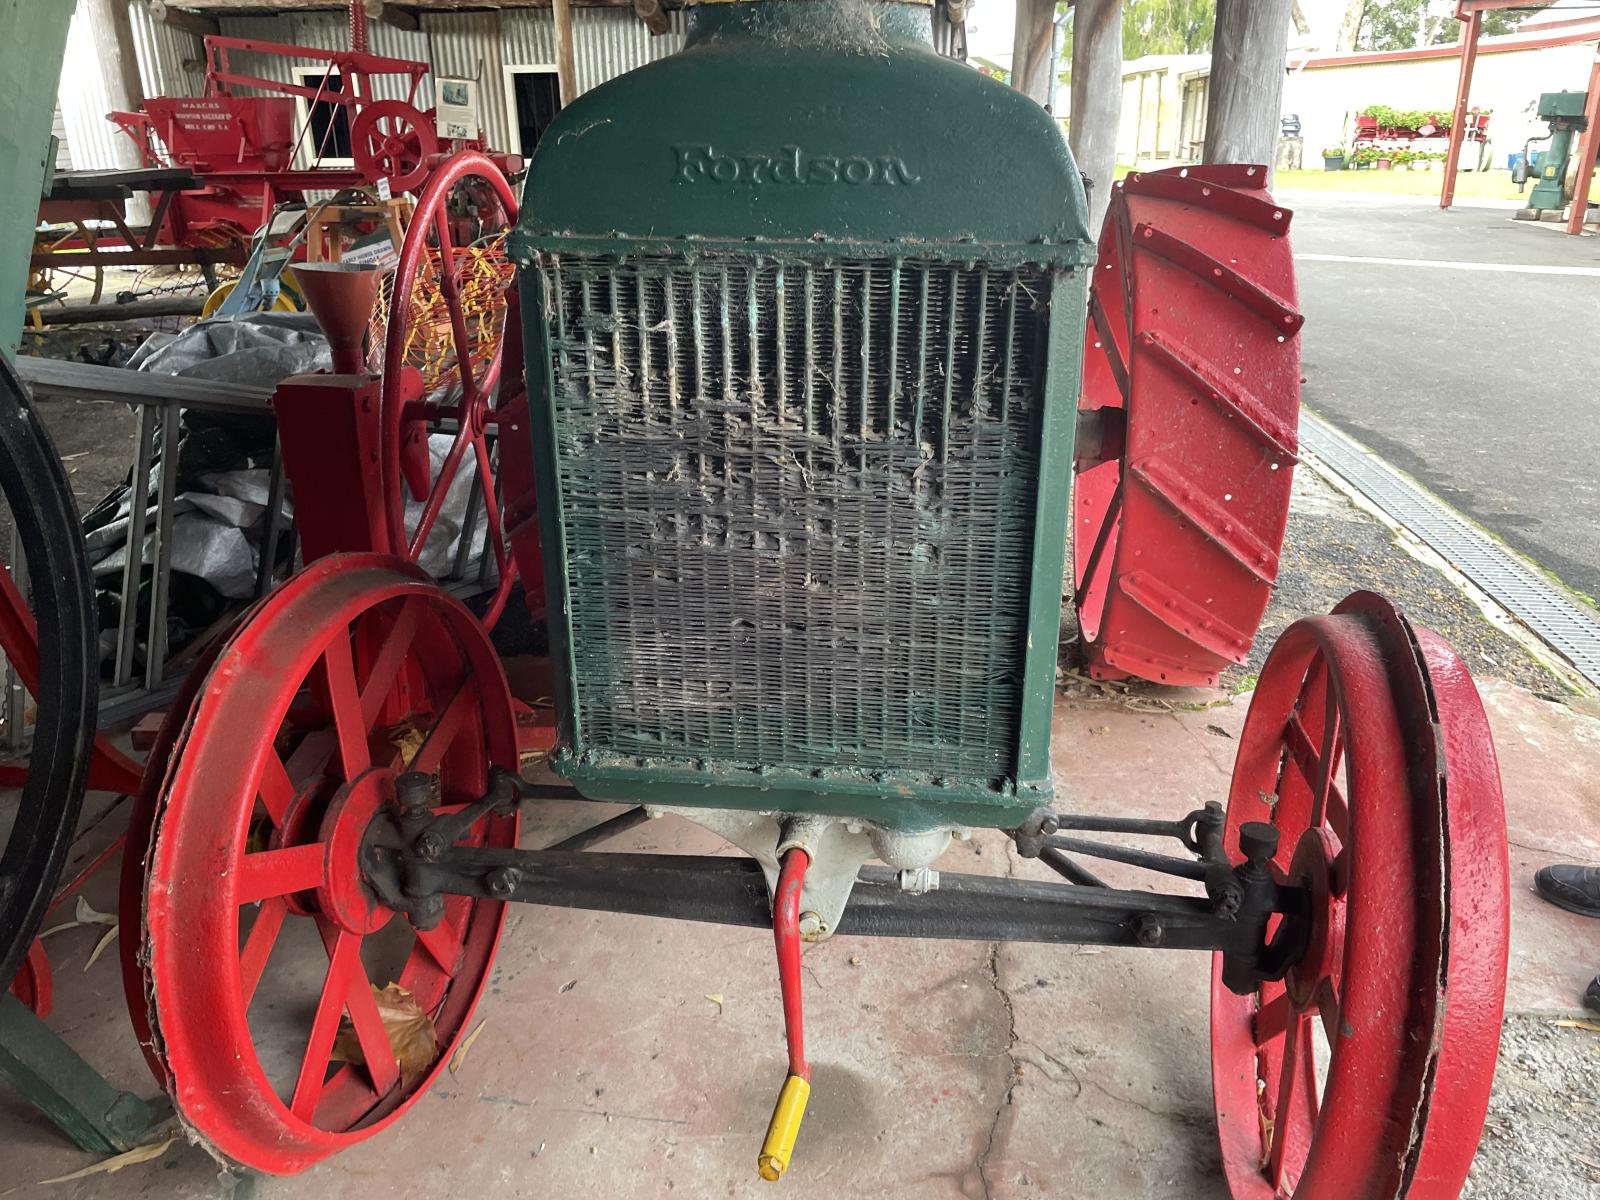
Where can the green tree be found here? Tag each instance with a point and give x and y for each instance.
(1405, 24)
(1167, 27)
(1155, 27)
(1391, 24)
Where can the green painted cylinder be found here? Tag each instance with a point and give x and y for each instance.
(803, 307)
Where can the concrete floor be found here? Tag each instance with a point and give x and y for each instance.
(943, 1069)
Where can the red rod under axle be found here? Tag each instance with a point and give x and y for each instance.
(786, 934)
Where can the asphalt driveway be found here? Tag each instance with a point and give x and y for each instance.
(1468, 355)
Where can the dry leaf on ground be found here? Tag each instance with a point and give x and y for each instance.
(116, 1162)
(410, 1029)
(460, 1056)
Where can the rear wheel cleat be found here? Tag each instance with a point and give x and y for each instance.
(1187, 420)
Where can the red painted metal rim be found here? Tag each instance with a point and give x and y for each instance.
(1192, 366)
(433, 663)
(1399, 832)
(428, 235)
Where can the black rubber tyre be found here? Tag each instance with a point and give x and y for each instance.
(35, 487)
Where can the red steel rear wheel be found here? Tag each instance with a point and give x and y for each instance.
(260, 938)
(1366, 1072)
(1187, 420)
(451, 313)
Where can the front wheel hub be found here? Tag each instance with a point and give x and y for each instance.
(345, 895)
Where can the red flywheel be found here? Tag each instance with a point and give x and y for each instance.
(452, 364)
(1187, 420)
(1366, 1071)
(264, 952)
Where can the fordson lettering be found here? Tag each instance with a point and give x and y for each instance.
(792, 166)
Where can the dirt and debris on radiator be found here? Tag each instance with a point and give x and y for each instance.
(772, 473)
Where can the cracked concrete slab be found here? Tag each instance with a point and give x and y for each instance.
(628, 1057)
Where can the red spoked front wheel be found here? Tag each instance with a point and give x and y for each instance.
(266, 951)
(451, 313)
(1366, 1072)
(1187, 420)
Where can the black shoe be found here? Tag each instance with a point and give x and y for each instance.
(1591, 998)
(1572, 887)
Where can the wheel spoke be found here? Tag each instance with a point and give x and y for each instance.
(491, 506)
(270, 873)
(340, 672)
(1327, 757)
(376, 1048)
(450, 286)
(1102, 539)
(282, 782)
(1294, 1117)
(344, 960)
(276, 789)
(258, 945)
(441, 487)
(432, 751)
(1329, 1008)
(1272, 1019)
(1115, 359)
(1318, 768)
(396, 644)
(443, 944)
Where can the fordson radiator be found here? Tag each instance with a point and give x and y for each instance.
(803, 306)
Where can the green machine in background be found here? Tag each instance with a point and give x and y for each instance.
(1563, 111)
(33, 38)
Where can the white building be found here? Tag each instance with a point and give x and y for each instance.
(1164, 96)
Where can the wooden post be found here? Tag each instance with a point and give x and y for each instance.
(195, 23)
(402, 19)
(566, 68)
(1247, 69)
(113, 42)
(1096, 97)
(654, 15)
(1458, 122)
(1587, 150)
(1031, 46)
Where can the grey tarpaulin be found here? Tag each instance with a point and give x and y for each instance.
(219, 515)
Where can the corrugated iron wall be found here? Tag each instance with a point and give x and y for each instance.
(481, 45)
(324, 31)
(171, 61)
(470, 45)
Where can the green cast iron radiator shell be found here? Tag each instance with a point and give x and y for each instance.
(803, 422)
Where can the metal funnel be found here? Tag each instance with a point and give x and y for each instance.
(341, 296)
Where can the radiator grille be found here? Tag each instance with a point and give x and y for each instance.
(798, 504)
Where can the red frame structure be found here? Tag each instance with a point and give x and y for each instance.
(1470, 13)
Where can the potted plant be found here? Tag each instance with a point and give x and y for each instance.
(1362, 157)
(1384, 161)
(1333, 158)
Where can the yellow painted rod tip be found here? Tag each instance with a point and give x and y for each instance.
(784, 1128)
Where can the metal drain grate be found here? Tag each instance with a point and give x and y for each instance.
(1563, 624)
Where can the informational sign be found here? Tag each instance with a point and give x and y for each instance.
(457, 114)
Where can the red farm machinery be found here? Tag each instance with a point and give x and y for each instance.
(217, 166)
(790, 420)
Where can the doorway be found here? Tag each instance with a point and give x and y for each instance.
(534, 96)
